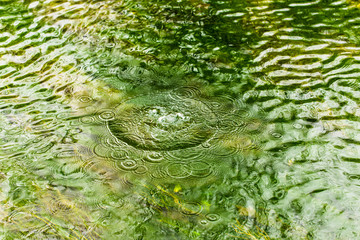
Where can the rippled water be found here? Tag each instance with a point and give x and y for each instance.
(186, 119)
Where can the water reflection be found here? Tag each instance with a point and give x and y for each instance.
(179, 119)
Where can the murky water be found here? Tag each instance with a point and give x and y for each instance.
(186, 119)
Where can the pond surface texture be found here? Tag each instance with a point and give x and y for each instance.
(187, 119)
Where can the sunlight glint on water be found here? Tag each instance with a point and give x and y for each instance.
(186, 119)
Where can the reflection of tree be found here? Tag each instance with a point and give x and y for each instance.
(189, 37)
(139, 47)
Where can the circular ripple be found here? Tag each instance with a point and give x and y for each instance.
(85, 99)
(212, 217)
(158, 173)
(189, 91)
(101, 151)
(154, 157)
(128, 165)
(200, 169)
(141, 170)
(223, 105)
(115, 202)
(113, 143)
(276, 134)
(178, 170)
(186, 154)
(220, 147)
(118, 154)
(106, 115)
(160, 122)
(232, 124)
(87, 119)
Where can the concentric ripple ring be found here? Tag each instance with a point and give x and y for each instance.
(159, 122)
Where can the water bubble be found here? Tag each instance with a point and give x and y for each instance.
(160, 123)
(276, 134)
(297, 125)
(85, 99)
(203, 222)
(212, 217)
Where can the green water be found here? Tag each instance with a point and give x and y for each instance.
(186, 119)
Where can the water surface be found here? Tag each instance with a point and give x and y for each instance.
(186, 119)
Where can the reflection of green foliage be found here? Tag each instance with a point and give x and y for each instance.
(159, 44)
(41, 213)
(157, 48)
(244, 233)
(140, 47)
